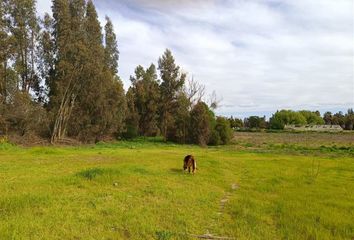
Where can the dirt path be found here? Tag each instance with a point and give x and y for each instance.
(225, 199)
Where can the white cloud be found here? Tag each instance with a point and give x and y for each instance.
(259, 55)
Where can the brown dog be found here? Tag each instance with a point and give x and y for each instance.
(190, 163)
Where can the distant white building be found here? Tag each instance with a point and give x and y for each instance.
(315, 128)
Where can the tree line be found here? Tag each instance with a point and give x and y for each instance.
(297, 118)
(59, 79)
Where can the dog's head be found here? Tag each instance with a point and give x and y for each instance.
(185, 166)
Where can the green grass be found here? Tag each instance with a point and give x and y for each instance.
(137, 190)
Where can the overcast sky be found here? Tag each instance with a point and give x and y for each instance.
(258, 55)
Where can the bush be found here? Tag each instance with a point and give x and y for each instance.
(131, 132)
(215, 138)
(224, 130)
(255, 122)
(23, 116)
(285, 117)
(200, 129)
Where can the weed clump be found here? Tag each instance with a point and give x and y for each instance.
(5, 144)
(92, 173)
(164, 235)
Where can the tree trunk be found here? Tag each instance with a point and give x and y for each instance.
(63, 116)
(64, 111)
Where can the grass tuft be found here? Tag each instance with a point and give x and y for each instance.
(93, 173)
(164, 235)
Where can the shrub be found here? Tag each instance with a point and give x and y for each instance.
(91, 173)
(131, 132)
(224, 130)
(24, 116)
(200, 130)
(284, 117)
(215, 138)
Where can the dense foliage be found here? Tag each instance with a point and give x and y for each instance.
(346, 121)
(59, 79)
(255, 122)
(288, 117)
(300, 118)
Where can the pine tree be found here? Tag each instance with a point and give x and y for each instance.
(132, 117)
(201, 125)
(145, 90)
(4, 51)
(24, 27)
(116, 95)
(83, 83)
(179, 132)
(149, 102)
(100, 104)
(116, 107)
(111, 47)
(172, 82)
(90, 101)
(46, 61)
(64, 87)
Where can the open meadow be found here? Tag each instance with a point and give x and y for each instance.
(263, 186)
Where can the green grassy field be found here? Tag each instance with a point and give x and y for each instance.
(137, 190)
